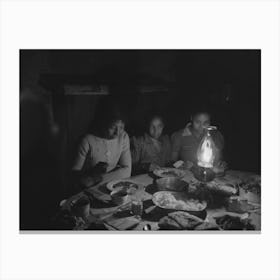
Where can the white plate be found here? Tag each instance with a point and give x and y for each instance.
(177, 201)
(117, 183)
(176, 172)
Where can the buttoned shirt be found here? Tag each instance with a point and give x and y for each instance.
(115, 152)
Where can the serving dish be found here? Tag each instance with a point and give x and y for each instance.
(177, 201)
(169, 172)
(172, 184)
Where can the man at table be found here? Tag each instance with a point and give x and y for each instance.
(185, 142)
(104, 155)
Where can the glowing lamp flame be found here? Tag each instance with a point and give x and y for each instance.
(205, 153)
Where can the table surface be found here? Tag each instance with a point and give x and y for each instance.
(103, 208)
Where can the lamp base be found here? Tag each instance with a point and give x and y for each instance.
(203, 174)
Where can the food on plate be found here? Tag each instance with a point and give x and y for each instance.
(168, 223)
(169, 172)
(207, 226)
(228, 222)
(179, 220)
(252, 187)
(223, 189)
(124, 186)
(240, 205)
(178, 201)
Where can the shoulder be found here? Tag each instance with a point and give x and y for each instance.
(137, 141)
(124, 136)
(124, 139)
(177, 134)
(89, 138)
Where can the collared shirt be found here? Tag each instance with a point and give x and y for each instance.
(185, 144)
(145, 149)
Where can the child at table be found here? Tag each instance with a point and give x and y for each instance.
(153, 149)
(185, 142)
(105, 152)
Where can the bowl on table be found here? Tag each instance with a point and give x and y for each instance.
(165, 172)
(171, 184)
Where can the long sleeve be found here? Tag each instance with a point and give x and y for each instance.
(83, 151)
(124, 169)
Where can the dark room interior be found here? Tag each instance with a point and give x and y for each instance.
(72, 84)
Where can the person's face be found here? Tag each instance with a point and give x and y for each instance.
(200, 122)
(155, 128)
(115, 129)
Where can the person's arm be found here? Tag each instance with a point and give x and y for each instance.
(83, 150)
(79, 175)
(124, 170)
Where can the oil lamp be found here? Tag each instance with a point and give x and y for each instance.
(205, 157)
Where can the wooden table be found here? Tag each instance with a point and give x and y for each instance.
(103, 208)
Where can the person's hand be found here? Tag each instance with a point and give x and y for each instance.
(100, 168)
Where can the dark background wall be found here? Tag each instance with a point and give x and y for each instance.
(228, 81)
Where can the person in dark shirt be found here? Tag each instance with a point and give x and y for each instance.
(153, 149)
(185, 142)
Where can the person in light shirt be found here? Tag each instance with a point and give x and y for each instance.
(185, 142)
(104, 155)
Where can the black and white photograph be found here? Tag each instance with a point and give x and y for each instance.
(140, 140)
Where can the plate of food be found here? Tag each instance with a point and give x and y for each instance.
(177, 201)
(124, 185)
(169, 172)
(229, 221)
(225, 189)
(251, 190)
(179, 220)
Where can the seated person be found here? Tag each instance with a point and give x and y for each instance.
(152, 150)
(185, 142)
(105, 153)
